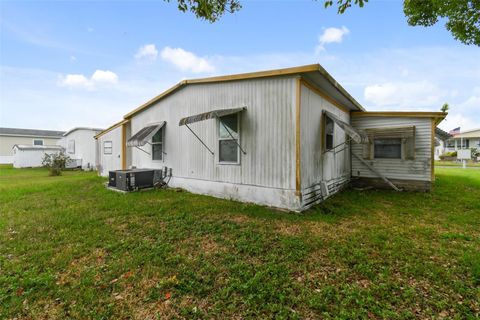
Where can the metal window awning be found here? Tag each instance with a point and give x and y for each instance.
(392, 132)
(209, 115)
(144, 135)
(354, 134)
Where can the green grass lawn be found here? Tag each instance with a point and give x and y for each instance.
(456, 164)
(69, 248)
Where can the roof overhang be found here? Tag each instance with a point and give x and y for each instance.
(437, 116)
(314, 73)
(82, 128)
(112, 127)
(30, 136)
(31, 147)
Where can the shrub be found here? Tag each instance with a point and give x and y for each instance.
(448, 156)
(475, 152)
(55, 162)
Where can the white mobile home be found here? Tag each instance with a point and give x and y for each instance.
(110, 148)
(9, 137)
(281, 138)
(464, 140)
(31, 156)
(80, 146)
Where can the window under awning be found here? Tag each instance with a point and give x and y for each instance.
(144, 135)
(209, 115)
(356, 135)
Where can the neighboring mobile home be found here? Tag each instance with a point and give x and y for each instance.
(80, 146)
(469, 139)
(31, 156)
(9, 137)
(286, 138)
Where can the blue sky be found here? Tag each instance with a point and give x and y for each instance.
(67, 63)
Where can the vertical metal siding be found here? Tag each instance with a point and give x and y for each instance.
(109, 162)
(417, 169)
(315, 166)
(85, 146)
(267, 132)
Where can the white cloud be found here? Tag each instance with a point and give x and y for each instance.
(472, 102)
(148, 51)
(186, 61)
(391, 76)
(80, 81)
(104, 76)
(331, 35)
(413, 95)
(75, 81)
(464, 114)
(454, 120)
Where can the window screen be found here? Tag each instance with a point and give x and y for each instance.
(157, 145)
(228, 139)
(38, 142)
(329, 126)
(388, 148)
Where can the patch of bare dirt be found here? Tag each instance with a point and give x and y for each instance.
(289, 228)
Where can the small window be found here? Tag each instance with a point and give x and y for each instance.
(228, 139)
(329, 127)
(157, 145)
(37, 142)
(388, 148)
(71, 146)
(107, 147)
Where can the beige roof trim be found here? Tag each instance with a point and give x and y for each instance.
(438, 116)
(116, 125)
(250, 75)
(259, 74)
(157, 98)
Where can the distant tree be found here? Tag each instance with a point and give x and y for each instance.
(445, 107)
(210, 10)
(463, 16)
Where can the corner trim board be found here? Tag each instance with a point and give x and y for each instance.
(432, 151)
(124, 146)
(298, 182)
